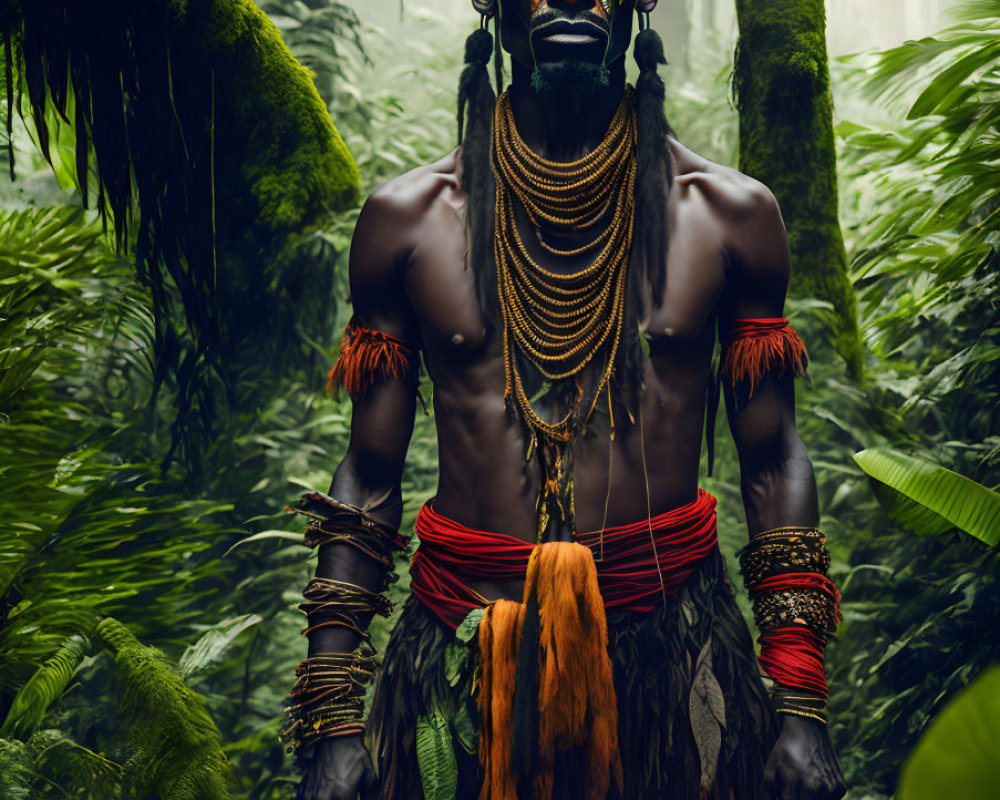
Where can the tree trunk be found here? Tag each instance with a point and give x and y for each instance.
(782, 83)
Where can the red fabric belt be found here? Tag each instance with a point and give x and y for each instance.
(451, 556)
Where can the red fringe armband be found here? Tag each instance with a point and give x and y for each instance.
(367, 356)
(754, 347)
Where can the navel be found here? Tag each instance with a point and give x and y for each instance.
(457, 339)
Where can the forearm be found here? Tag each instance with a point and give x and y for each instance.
(344, 563)
(356, 542)
(778, 486)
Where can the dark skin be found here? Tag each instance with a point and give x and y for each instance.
(728, 259)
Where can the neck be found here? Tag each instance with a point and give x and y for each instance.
(566, 124)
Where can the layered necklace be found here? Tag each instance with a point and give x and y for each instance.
(561, 322)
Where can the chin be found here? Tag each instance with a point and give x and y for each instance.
(583, 76)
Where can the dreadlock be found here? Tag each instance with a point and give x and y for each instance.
(654, 177)
(476, 101)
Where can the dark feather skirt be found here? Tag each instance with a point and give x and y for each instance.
(695, 721)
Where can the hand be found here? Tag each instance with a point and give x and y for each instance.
(802, 765)
(340, 769)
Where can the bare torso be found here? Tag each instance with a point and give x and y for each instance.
(651, 465)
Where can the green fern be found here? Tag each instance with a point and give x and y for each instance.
(174, 746)
(17, 770)
(43, 689)
(69, 768)
(436, 757)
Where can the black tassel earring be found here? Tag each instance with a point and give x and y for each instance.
(654, 167)
(654, 177)
(476, 103)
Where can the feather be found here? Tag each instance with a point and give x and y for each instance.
(367, 356)
(754, 347)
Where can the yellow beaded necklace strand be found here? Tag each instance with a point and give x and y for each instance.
(560, 322)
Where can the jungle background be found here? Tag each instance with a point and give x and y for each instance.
(160, 404)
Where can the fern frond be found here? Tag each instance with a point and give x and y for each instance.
(175, 748)
(65, 763)
(43, 688)
(17, 770)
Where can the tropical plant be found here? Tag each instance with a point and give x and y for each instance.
(930, 499)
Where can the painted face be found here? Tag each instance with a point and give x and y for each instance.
(583, 33)
(561, 30)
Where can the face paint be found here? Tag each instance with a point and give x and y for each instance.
(606, 7)
(609, 7)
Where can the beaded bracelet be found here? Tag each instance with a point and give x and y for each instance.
(796, 608)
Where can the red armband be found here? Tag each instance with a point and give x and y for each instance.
(367, 356)
(754, 347)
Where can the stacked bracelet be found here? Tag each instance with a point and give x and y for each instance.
(336, 603)
(333, 522)
(796, 608)
(799, 704)
(327, 699)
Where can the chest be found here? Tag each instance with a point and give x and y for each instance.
(442, 289)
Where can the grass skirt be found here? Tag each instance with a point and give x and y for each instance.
(694, 717)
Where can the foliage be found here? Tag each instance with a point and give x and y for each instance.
(209, 140)
(915, 197)
(956, 756)
(91, 526)
(174, 746)
(43, 688)
(930, 499)
(927, 273)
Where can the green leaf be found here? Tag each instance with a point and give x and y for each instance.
(959, 755)
(469, 626)
(17, 770)
(941, 88)
(933, 493)
(436, 757)
(456, 656)
(43, 688)
(213, 645)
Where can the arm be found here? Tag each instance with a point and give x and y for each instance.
(368, 478)
(777, 481)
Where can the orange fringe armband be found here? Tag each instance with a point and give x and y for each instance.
(367, 356)
(754, 347)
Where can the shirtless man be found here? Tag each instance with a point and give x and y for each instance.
(413, 286)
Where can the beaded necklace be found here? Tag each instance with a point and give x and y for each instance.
(560, 322)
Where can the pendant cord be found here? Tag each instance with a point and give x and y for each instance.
(649, 511)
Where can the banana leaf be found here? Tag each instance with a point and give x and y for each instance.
(930, 499)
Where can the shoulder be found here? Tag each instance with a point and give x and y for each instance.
(744, 210)
(392, 217)
(399, 204)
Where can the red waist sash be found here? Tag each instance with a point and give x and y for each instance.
(451, 556)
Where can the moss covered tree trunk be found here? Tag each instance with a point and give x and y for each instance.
(782, 83)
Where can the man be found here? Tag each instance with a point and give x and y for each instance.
(563, 274)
